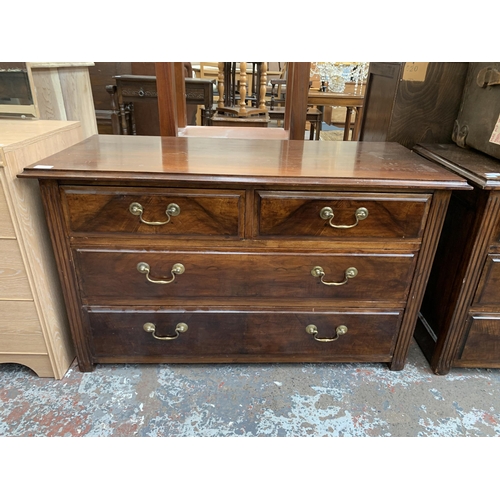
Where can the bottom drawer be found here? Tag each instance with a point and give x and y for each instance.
(481, 347)
(242, 336)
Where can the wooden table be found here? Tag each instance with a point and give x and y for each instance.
(175, 250)
(352, 102)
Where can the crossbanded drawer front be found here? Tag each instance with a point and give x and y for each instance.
(320, 335)
(149, 211)
(355, 215)
(488, 290)
(130, 276)
(482, 341)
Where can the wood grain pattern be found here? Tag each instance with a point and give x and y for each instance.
(308, 163)
(292, 214)
(13, 280)
(458, 323)
(26, 143)
(259, 276)
(242, 296)
(242, 334)
(202, 213)
(39, 363)
(6, 227)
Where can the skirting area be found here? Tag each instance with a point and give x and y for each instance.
(252, 400)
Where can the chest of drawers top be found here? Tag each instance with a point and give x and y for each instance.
(238, 161)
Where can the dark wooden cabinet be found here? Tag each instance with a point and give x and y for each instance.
(459, 323)
(406, 111)
(219, 250)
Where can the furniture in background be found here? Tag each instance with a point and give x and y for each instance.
(352, 102)
(172, 107)
(459, 322)
(132, 89)
(412, 102)
(207, 250)
(34, 329)
(63, 92)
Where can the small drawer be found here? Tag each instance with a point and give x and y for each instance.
(216, 335)
(488, 290)
(13, 280)
(482, 341)
(355, 215)
(119, 276)
(148, 211)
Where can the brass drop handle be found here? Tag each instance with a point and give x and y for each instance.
(313, 330)
(327, 213)
(151, 328)
(350, 272)
(144, 268)
(172, 210)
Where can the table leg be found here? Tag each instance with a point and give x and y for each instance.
(347, 125)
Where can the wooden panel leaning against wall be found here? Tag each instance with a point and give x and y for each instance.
(412, 102)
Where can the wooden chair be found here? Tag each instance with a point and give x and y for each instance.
(173, 117)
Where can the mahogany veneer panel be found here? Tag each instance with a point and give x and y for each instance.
(459, 319)
(248, 236)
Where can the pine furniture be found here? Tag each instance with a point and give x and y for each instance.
(34, 328)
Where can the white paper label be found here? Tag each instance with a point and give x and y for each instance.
(415, 71)
(43, 166)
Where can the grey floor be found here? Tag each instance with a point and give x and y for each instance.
(293, 400)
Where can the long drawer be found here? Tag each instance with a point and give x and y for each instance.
(356, 215)
(149, 211)
(246, 335)
(161, 276)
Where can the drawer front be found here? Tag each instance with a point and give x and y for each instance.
(6, 227)
(13, 280)
(488, 290)
(265, 334)
(366, 215)
(482, 344)
(115, 275)
(149, 212)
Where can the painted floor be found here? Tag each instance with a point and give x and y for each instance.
(252, 400)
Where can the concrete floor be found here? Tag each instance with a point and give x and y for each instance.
(252, 400)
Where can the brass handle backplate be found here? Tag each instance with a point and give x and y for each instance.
(172, 210)
(313, 330)
(327, 213)
(151, 328)
(350, 272)
(144, 268)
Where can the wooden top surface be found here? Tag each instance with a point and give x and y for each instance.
(480, 169)
(329, 163)
(18, 133)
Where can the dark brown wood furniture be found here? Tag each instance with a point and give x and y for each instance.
(412, 106)
(133, 89)
(217, 250)
(459, 323)
(352, 102)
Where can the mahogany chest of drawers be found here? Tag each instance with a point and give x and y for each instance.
(459, 323)
(219, 250)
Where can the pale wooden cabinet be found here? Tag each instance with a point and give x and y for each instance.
(33, 322)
